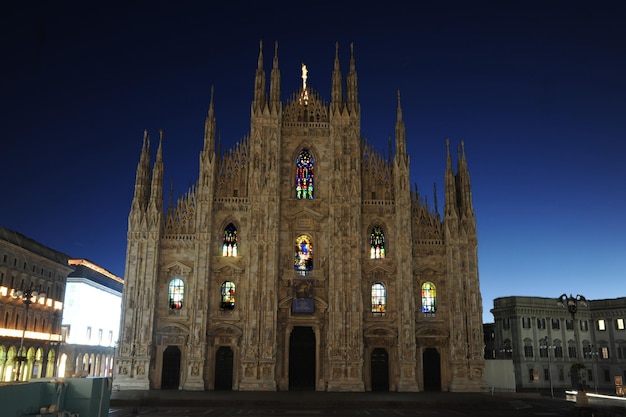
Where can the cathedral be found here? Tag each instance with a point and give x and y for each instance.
(301, 259)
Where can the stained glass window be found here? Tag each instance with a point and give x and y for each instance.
(228, 295)
(379, 298)
(229, 247)
(303, 254)
(304, 175)
(377, 243)
(176, 292)
(429, 298)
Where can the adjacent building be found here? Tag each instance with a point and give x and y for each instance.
(91, 320)
(32, 288)
(560, 343)
(302, 258)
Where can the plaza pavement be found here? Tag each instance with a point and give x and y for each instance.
(308, 399)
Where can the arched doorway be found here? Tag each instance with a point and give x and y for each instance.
(302, 359)
(432, 370)
(224, 369)
(170, 376)
(380, 369)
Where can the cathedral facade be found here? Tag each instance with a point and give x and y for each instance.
(301, 260)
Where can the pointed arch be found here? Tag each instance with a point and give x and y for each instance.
(429, 297)
(303, 253)
(377, 243)
(176, 293)
(230, 240)
(304, 178)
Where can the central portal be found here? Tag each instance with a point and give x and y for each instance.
(302, 359)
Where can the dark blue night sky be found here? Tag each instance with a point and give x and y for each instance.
(535, 89)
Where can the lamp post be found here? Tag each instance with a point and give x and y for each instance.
(593, 352)
(572, 303)
(28, 297)
(548, 347)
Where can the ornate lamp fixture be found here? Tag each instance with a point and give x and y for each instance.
(28, 297)
(571, 303)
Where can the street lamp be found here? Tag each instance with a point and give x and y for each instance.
(593, 352)
(571, 303)
(548, 347)
(28, 297)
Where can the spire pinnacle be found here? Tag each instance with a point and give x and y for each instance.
(400, 135)
(275, 83)
(260, 59)
(211, 109)
(259, 100)
(159, 156)
(351, 85)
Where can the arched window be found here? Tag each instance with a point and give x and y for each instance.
(379, 298)
(229, 247)
(303, 254)
(429, 298)
(304, 175)
(228, 295)
(377, 243)
(176, 293)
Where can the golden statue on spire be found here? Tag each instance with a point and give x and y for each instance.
(305, 71)
(304, 97)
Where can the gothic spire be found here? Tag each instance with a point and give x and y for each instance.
(275, 84)
(466, 189)
(336, 91)
(259, 83)
(351, 85)
(142, 177)
(209, 128)
(400, 135)
(156, 188)
(450, 187)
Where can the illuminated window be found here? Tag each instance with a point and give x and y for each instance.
(377, 243)
(176, 292)
(604, 352)
(303, 254)
(229, 246)
(228, 295)
(304, 175)
(601, 324)
(429, 298)
(619, 324)
(379, 298)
